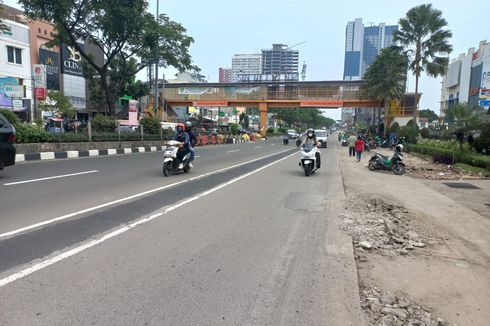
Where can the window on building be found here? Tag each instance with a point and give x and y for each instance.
(39, 30)
(14, 55)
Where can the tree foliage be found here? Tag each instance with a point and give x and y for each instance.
(424, 38)
(3, 27)
(386, 76)
(58, 105)
(462, 116)
(123, 30)
(429, 114)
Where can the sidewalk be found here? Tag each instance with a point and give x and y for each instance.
(452, 274)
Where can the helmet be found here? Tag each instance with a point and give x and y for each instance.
(180, 127)
(188, 125)
(310, 132)
(399, 148)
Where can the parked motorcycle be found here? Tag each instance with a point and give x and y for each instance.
(307, 156)
(171, 164)
(285, 139)
(381, 162)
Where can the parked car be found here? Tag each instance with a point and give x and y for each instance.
(321, 137)
(124, 128)
(7, 140)
(293, 134)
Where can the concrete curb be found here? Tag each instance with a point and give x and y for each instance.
(44, 156)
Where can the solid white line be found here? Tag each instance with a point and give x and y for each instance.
(90, 244)
(233, 151)
(49, 178)
(90, 209)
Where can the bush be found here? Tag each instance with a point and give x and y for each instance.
(449, 156)
(151, 125)
(69, 137)
(394, 128)
(410, 133)
(425, 133)
(103, 123)
(234, 129)
(270, 131)
(11, 117)
(27, 133)
(482, 144)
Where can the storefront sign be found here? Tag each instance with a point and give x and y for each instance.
(15, 91)
(71, 60)
(51, 60)
(39, 74)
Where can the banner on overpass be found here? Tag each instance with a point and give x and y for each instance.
(210, 103)
(322, 104)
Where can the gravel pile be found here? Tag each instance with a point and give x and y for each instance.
(378, 226)
(387, 309)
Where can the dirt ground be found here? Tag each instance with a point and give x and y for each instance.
(422, 248)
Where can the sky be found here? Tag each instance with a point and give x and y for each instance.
(222, 28)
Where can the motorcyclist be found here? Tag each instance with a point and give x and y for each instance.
(183, 137)
(192, 140)
(310, 138)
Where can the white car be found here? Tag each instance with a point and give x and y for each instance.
(321, 137)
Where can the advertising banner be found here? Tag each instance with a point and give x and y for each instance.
(485, 78)
(51, 60)
(16, 91)
(39, 74)
(71, 60)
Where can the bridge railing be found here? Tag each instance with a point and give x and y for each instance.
(265, 93)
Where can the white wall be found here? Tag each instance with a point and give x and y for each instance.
(19, 38)
(464, 79)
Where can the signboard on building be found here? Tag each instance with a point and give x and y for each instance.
(210, 103)
(71, 60)
(51, 60)
(484, 93)
(484, 103)
(15, 91)
(485, 78)
(39, 74)
(17, 103)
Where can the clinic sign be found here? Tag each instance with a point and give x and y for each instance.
(71, 60)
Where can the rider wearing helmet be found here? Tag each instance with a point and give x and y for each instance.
(183, 137)
(311, 139)
(192, 139)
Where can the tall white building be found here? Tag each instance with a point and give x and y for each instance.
(15, 63)
(245, 64)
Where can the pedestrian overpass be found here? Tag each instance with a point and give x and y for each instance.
(271, 94)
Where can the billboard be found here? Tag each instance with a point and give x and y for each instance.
(71, 60)
(51, 60)
(485, 78)
(5, 100)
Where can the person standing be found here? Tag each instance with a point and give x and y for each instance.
(359, 147)
(351, 142)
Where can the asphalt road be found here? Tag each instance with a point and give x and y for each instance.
(244, 245)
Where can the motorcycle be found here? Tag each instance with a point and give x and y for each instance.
(285, 140)
(170, 161)
(298, 141)
(381, 162)
(307, 156)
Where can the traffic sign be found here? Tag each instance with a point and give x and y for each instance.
(484, 103)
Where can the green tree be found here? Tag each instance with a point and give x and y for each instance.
(387, 75)
(424, 39)
(151, 125)
(429, 114)
(122, 30)
(244, 120)
(3, 27)
(59, 105)
(461, 116)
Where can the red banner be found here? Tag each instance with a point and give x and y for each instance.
(40, 93)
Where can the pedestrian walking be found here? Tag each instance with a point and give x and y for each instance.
(359, 147)
(351, 141)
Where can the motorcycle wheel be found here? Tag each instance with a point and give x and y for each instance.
(167, 166)
(372, 166)
(307, 169)
(398, 169)
(186, 169)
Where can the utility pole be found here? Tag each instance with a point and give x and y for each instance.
(156, 63)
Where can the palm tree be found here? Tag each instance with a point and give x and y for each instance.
(386, 76)
(425, 40)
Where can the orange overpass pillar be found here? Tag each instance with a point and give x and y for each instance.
(263, 118)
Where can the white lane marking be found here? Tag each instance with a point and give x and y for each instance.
(273, 144)
(197, 156)
(49, 178)
(233, 151)
(90, 209)
(90, 244)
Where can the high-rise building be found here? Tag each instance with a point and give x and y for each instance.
(245, 64)
(363, 44)
(225, 75)
(280, 60)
